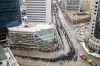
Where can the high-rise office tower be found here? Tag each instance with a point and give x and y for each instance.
(10, 16)
(9, 13)
(38, 10)
(93, 42)
(97, 20)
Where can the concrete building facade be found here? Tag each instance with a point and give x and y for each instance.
(72, 4)
(38, 10)
(85, 5)
(81, 5)
(10, 14)
(93, 42)
(78, 10)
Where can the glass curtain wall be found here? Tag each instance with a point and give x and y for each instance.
(97, 25)
(9, 13)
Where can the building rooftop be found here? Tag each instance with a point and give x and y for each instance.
(77, 17)
(33, 28)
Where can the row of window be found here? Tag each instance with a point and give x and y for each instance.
(9, 12)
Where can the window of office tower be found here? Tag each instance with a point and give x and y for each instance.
(97, 25)
(9, 13)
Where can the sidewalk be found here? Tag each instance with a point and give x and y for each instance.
(29, 62)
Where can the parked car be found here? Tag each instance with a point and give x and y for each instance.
(83, 57)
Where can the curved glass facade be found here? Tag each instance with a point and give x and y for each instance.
(97, 25)
(9, 13)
